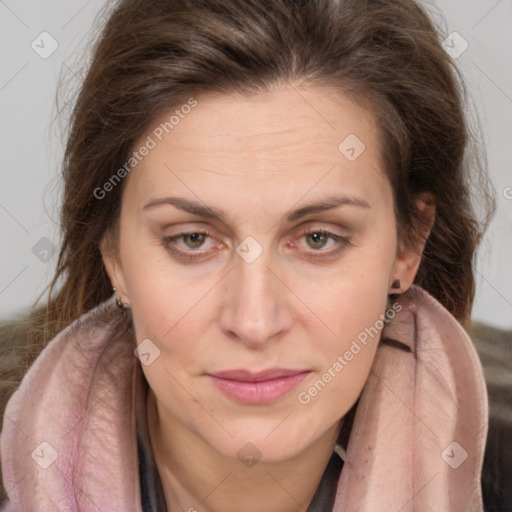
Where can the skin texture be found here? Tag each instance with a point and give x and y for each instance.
(255, 158)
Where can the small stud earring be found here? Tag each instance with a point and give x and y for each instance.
(395, 286)
(119, 302)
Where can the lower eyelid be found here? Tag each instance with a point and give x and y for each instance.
(183, 254)
(341, 244)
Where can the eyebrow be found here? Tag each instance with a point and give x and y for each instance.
(205, 211)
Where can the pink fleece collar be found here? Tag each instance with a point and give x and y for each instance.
(418, 439)
(69, 437)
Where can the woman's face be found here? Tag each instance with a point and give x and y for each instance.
(288, 257)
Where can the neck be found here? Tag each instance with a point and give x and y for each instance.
(196, 477)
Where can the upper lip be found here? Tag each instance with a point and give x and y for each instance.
(248, 376)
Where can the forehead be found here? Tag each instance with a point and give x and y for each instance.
(266, 120)
(277, 143)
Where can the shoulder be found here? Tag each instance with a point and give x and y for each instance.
(19, 347)
(14, 343)
(494, 347)
(21, 341)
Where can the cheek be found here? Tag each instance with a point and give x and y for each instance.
(350, 296)
(163, 297)
(348, 355)
(169, 311)
(352, 308)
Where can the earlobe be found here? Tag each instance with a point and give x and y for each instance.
(395, 285)
(409, 259)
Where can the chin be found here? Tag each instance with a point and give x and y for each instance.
(262, 441)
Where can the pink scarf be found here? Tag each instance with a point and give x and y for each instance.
(417, 443)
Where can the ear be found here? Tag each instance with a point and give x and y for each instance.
(409, 258)
(111, 259)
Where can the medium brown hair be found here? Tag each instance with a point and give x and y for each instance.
(153, 54)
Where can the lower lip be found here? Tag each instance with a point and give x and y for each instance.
(262, 392)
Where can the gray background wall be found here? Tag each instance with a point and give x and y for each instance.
(42, 40)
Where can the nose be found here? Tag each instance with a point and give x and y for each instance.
(256, 306)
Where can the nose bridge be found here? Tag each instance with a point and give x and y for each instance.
(256, 309)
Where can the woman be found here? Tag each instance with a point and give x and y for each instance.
(278, 193)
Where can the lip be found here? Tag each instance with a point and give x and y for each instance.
(257, 387)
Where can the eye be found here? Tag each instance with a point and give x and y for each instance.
(191, 242)
(195, 239)
(319, 239)
(191, 245)
(324, 243)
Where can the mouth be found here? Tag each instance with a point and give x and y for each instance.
(264, 387)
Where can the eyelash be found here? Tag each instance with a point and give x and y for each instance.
(342, 243)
